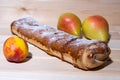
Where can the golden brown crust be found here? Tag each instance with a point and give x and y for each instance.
(84, 54)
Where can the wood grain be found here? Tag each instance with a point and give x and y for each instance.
(44, 67)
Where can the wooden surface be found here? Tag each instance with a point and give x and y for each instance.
(44, 67)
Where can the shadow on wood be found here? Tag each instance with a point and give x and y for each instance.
(28, 57)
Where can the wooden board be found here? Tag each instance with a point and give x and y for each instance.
(44, 67)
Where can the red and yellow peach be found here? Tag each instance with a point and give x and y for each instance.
(15, 49)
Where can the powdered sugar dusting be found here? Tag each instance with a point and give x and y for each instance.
(33, 25)
(43, 34)
(78, 42)
(27, 20)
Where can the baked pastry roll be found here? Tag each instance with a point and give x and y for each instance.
(81, 53)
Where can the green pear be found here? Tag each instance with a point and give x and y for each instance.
(96, 27)
(70, 23)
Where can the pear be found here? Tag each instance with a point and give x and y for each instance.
(96, 27)
(70, 23)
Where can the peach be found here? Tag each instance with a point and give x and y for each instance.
(15, 49)
(69, 23)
